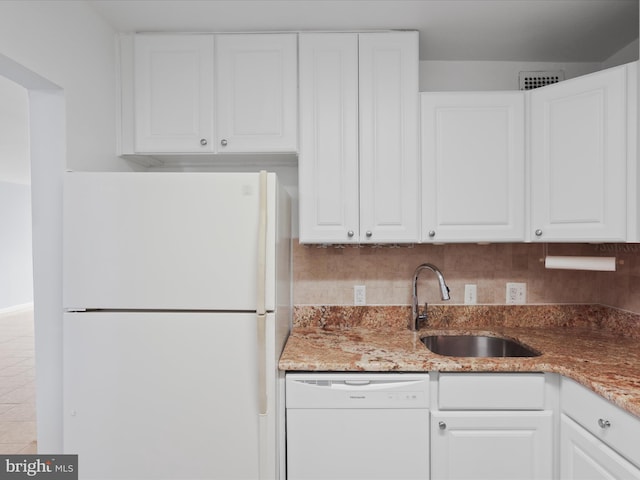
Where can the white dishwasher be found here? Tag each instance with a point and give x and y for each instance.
(362, 426)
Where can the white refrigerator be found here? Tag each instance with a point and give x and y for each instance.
(177, 297)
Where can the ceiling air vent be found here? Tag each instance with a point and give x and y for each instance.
(531, 80)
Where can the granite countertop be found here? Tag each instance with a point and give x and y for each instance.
(587, 344)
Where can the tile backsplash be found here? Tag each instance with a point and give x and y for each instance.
(326, 276)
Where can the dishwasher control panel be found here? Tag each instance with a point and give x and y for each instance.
(357, 390)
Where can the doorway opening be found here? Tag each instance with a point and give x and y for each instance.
(17, 365)
(47, 152)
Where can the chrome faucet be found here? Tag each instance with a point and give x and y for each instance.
(416, 315)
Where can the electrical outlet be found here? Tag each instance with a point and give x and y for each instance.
(359, 295)
(516, 293)
(470, 294)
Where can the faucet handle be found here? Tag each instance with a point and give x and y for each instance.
(422, 316)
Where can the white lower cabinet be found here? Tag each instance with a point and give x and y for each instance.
(585, 456)
(478, 445)
(471, 426)
(598, 439)
(492, 426)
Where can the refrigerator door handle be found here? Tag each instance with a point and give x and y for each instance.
(261, 295)
(262, 365)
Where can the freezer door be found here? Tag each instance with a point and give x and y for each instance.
(165, 241)
(165, 396)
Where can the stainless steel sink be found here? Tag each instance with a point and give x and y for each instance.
(476, 346)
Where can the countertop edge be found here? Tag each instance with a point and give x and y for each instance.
(573, 353)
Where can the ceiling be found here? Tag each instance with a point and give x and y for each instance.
(465, 30)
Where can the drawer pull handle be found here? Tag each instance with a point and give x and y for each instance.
(604, 423)
(442, 425)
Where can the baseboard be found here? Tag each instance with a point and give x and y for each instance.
(25, 307)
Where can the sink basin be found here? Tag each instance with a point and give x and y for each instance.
(476, 346)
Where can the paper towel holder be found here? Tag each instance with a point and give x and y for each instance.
(578, 262)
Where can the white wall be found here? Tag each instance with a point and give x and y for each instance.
(16, 282)
(624, 55)
(16, 268)
(67, 43)
(14, 133)
(440, 76)
(480, 76)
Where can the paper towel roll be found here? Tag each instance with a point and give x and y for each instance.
(603, 264)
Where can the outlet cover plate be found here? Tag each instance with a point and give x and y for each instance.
(359, 295)
(516, 293)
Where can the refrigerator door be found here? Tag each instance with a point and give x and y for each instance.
(166, 395)
(166, 241)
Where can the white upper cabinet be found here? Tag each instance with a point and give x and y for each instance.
(248, 86)
(328, 161)
(256, 97)
(173, 91)
(473, 166)
(579, 159)
(358, 163)
(389, 179)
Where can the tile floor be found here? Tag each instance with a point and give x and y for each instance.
(17, 384)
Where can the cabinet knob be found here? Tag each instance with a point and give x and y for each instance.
(442, 425)
(369, 234)
(203, 141)
(603, 423)
(538, 233)
(432, 233)
(223, 142)
(350, 233)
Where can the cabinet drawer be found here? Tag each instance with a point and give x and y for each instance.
(622, 432)
(489, 391)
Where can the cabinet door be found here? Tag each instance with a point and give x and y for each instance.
(173, 91)
(491, 445)
(389, 180)
(256, 93)
(473, 186)
(578, 159)
(583, 456)
(328, 160)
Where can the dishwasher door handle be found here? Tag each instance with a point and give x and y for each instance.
(364, 384)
